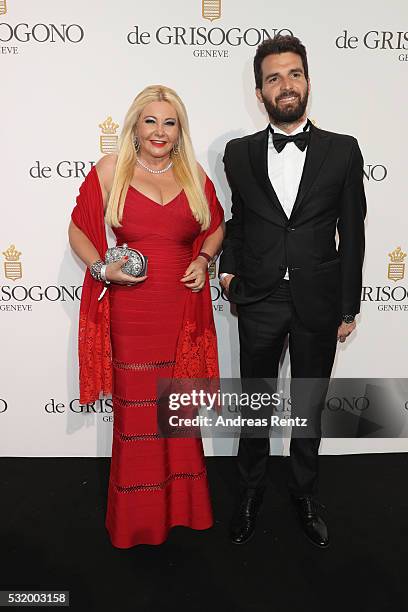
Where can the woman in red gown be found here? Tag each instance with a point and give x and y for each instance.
(159, 201)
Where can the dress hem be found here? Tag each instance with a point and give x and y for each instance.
(161, 541)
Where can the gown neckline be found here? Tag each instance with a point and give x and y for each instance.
(154, 201)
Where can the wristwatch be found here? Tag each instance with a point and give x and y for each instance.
(348, 318)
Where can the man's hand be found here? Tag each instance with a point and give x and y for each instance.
(345, 330)
(225, 282)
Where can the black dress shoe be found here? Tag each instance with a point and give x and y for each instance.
(311, 522)
(243, 523)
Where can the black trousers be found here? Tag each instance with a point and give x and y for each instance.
(263, 329)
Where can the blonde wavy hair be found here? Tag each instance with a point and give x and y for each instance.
(184, 163)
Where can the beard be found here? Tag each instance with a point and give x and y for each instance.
(290, 113)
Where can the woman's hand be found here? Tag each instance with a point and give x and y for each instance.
(114, 274)
(195, 275)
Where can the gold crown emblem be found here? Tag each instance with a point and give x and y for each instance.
(397, 256)
(109, 126)
(108, 140)
(12, 266)
(211, 9)
(12, 254)
(3, 7)
(396, 269)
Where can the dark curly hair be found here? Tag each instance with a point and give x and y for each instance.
(273, 46)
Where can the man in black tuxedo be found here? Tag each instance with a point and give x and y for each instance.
(292, 186)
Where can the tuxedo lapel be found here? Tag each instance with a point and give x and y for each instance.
(258, 155)
(316, 152)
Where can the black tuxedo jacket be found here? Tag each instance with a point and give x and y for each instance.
(261, 242)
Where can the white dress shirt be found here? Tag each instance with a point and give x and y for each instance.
(285, 170)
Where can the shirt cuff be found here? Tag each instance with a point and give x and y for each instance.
(223, 275)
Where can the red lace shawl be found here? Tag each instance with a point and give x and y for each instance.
(196, 354)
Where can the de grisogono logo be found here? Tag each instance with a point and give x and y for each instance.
(376, 40)
(42, 33)
(20, 297)
(211, 9)
(103, 406)
(13, 269)
(218, 296)
(108, 140)
(217, 40)
(74, 169)
(375, 173)
(390, 298)
(396, 267)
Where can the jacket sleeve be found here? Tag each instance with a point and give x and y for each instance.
(350, 227)
(233, 242)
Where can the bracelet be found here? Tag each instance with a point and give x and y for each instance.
(206, 256)
(98, 271)
(103, 275)
(95, 270)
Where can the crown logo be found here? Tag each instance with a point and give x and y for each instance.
(12, 266)
(3, 7)
(396, 269)
(108, 140)
(211, 9)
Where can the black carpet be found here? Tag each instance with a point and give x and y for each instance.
(52, 536)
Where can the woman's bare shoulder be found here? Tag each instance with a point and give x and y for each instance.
(105, 168)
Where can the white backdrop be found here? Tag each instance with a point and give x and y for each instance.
(68, 66)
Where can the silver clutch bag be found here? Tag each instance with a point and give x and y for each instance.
(136, 265)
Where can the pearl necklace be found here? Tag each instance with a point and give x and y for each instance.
(154, 171)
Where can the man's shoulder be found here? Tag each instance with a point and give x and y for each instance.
(240, 144)
(337, 136)
(243, 140)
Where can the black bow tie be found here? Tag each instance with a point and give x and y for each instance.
(280, 141)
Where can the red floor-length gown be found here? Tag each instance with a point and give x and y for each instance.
(155, 483)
